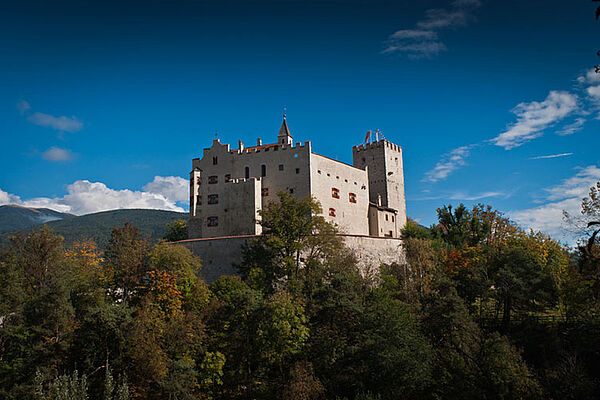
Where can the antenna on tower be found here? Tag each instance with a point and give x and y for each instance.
(374, 136)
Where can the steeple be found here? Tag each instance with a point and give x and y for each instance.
(284, 136)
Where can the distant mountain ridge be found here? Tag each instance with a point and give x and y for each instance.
(96, 226)
(15, 218)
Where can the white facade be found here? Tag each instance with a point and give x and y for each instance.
(229, 187)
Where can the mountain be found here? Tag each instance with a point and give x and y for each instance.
(16, 218)
(98, 226)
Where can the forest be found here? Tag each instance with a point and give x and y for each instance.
(480, 309)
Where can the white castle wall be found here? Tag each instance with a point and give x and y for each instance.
(219, 255)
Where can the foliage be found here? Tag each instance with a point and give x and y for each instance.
(176, 230)
(479, 309)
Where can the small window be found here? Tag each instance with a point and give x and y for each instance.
(281, 167)
(199, 200)
(213, 199)
(352, 197)
(328, 174)
(275, 148)
(332, 212)
(346, 180)
(247, 173)
(319, 171)
(263, 170)
(335, 193)
(199, 180)
(215, 160)
(337, 177)
(228, 178)
(392, 218)
(213, 179)
(212, 221)
(264, 192)
(297, 170)
(292, 190)
(386, 217)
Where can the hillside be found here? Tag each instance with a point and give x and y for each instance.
(16, 218)
(98, 226)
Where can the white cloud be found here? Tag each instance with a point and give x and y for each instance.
(84, 197)
(57, 154)
(464, 196)
(572, 128)
(23, 107)
(551, 156)
(7, 198)
(423, 41)
(567, 197)
(594, 91)
(591, 77)
(449, 163)
(174, 188)
(533, 118)
(62, 123)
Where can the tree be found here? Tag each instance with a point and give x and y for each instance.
(176, 230)
(125, 259)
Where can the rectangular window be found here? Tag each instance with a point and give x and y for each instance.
(264, 192)
(199, 180)
(213, 199)
(392, 218)
(213, 179)
(214, 160)
(352, 197)
(292, 190)
(297, 170)
(335, 193)
(263, 170)
(228, 178)
(200, 199)
(332, 212)
(212, 221)
(247, 172)
(386, 217)
(281, 167)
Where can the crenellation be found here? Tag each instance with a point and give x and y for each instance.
(229, 187)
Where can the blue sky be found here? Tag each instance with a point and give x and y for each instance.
(104, 104)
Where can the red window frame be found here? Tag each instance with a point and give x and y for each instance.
(212, 221)
(228, 178)
(352, 197)
(264, 192)
(332, 212)
(199, 180)
(213, 199)
(213, 179)
(335, 193)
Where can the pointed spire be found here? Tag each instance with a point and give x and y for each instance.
(284, 136)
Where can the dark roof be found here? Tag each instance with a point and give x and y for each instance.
(284, 130)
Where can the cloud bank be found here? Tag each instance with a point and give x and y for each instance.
(85, 197)
(565, 196)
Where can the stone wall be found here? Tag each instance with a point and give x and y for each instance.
(220, 254)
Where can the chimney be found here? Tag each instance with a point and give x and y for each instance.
(259, 142)
(241, 145)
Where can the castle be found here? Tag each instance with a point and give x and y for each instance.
(228, 188)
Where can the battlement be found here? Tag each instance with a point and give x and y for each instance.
(377, 144)
(270, 147)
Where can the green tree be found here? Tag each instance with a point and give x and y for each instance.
(176, 230)
(125, 260)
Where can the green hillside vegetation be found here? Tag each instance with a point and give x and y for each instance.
(481, 309)
(15, 218)
(98, 226)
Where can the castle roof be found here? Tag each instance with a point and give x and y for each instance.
(284, 130)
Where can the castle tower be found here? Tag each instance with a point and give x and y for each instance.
(284, 137)
(383, 161)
